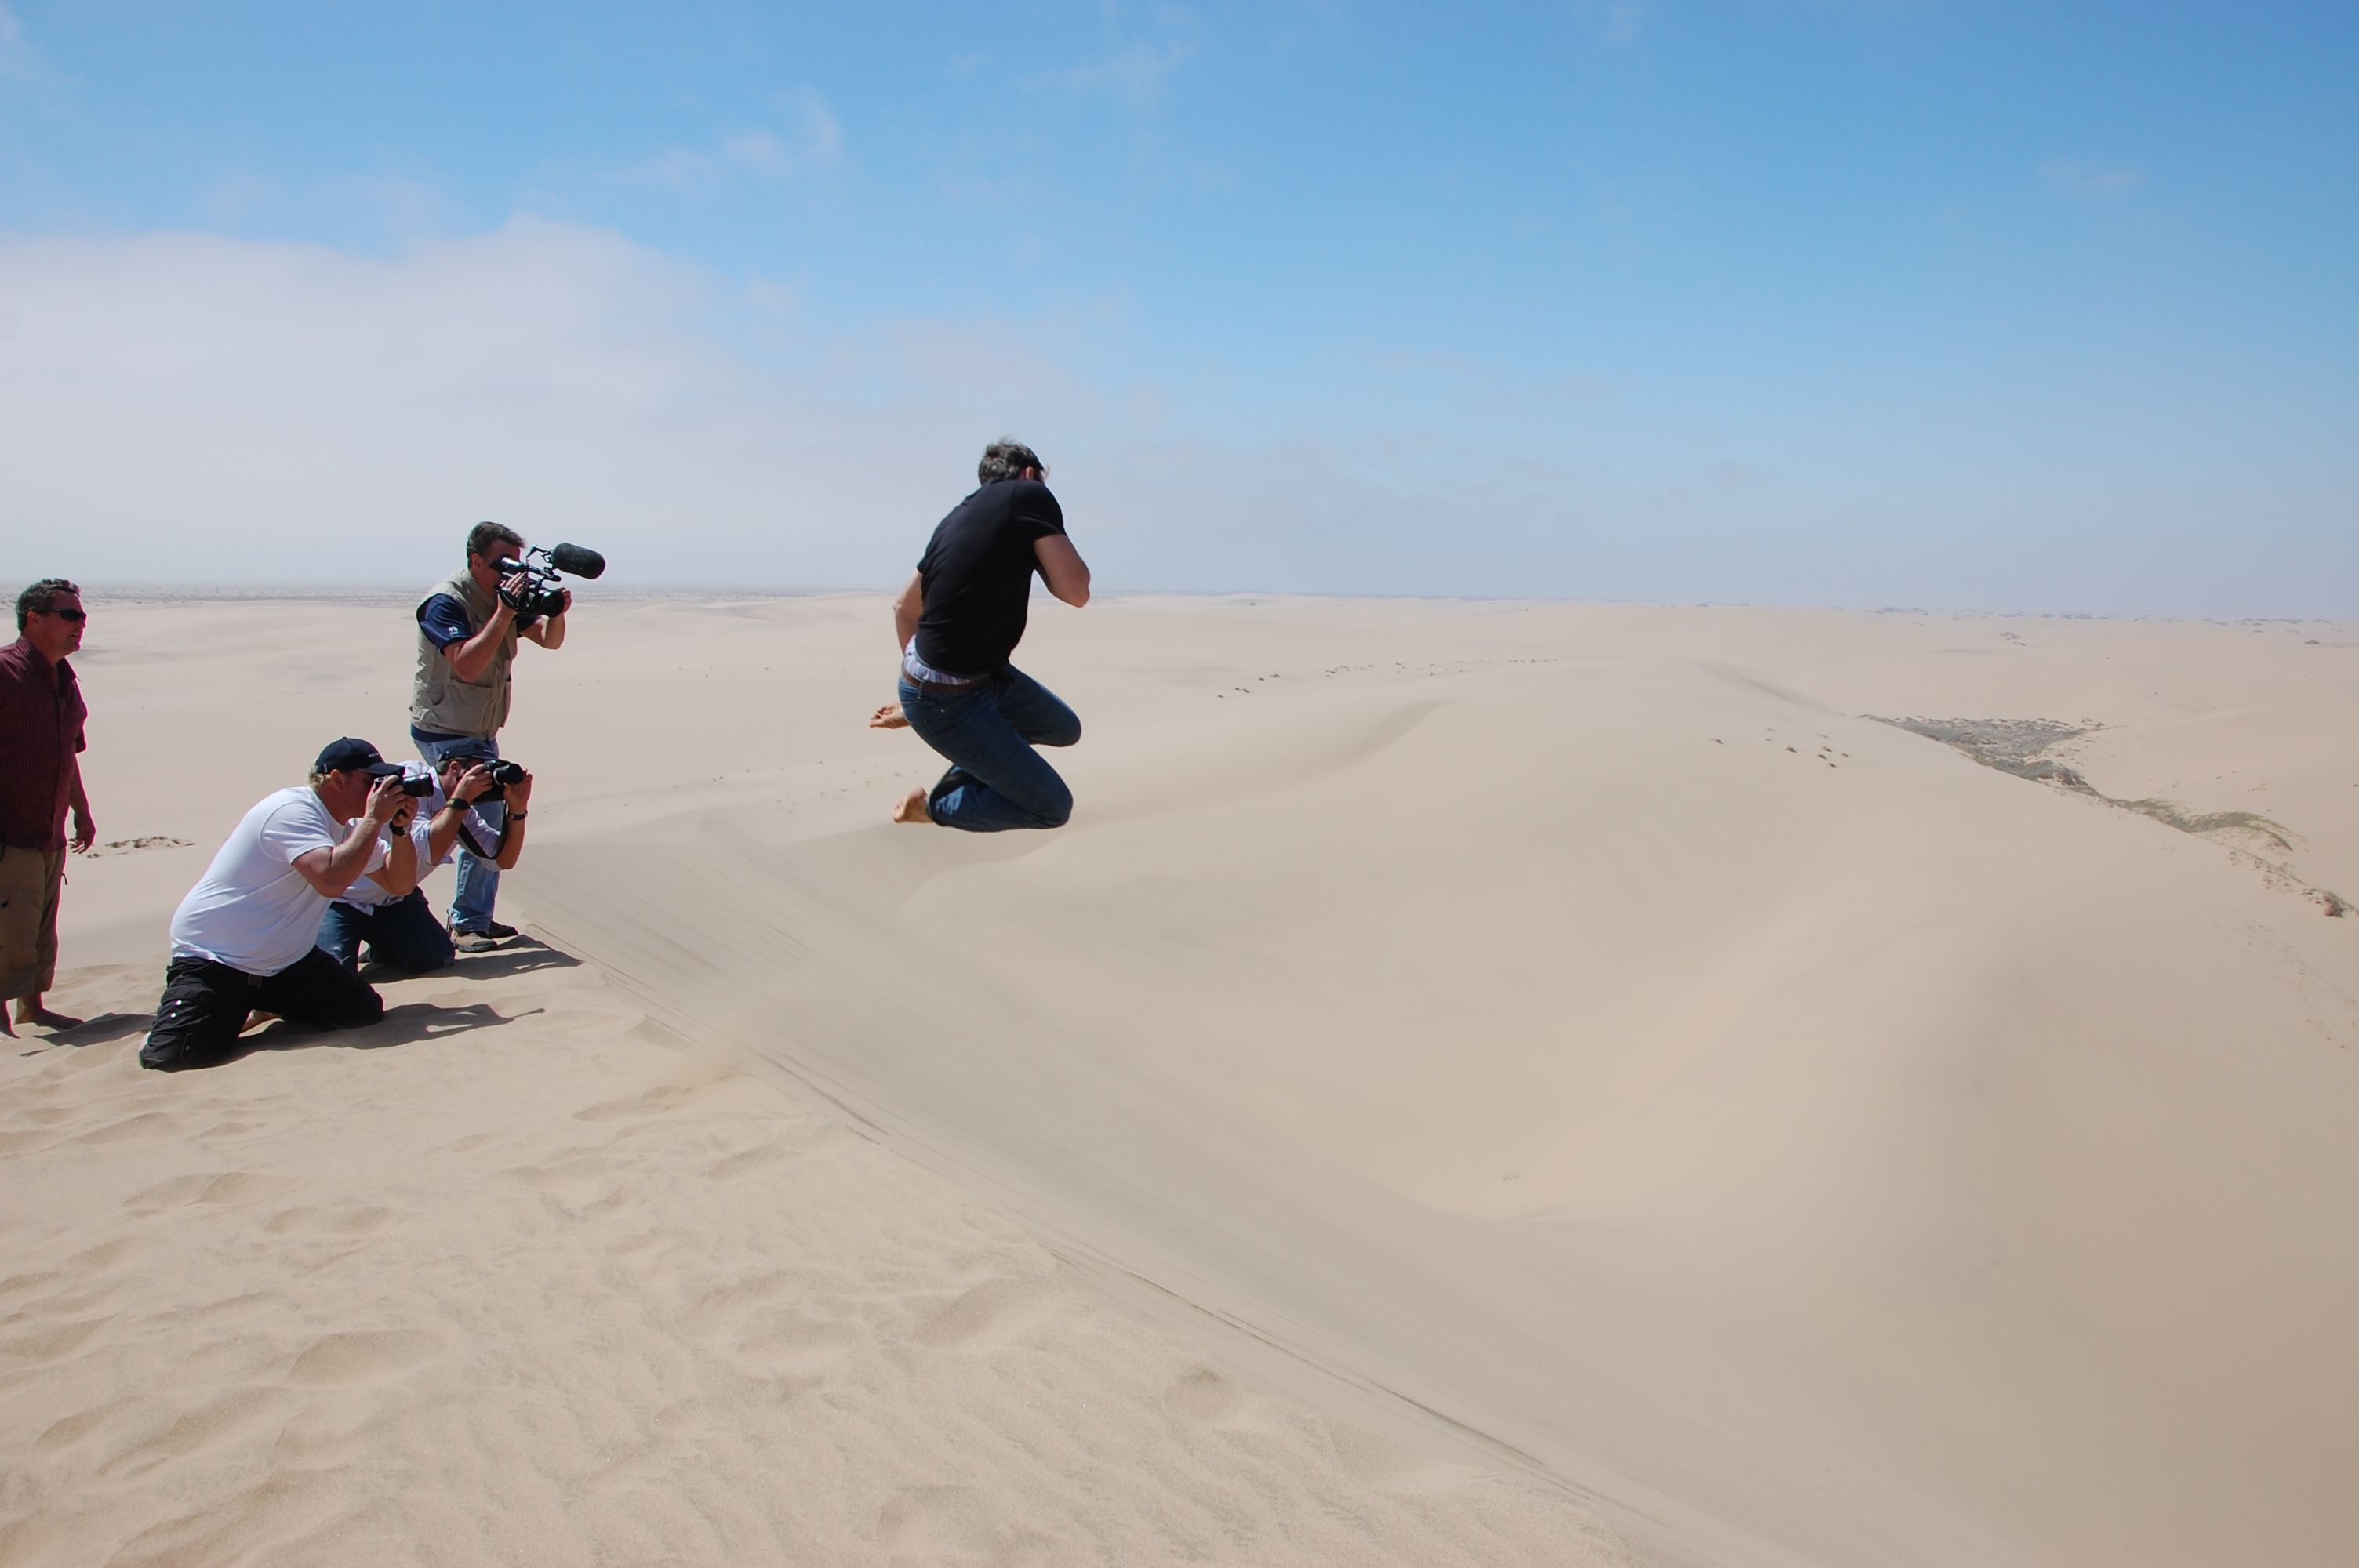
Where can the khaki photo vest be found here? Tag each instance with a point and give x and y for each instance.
(441, 700)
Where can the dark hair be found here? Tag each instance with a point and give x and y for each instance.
(484, 535)
(41, 597)
(1007, 457)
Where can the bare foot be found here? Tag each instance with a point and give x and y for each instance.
(3, 1024)
(30, 1010)
(913, 808)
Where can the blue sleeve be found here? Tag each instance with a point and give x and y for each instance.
(444, 620)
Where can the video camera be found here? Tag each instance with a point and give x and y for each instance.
(541, 593)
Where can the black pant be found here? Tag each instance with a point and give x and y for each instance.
(205, 1005)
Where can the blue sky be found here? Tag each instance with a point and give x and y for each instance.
(2037, 307)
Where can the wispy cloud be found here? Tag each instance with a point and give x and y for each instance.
(18, 60)
(1137, 73)
(1729, 475)
(1140, 54)
(812, 145)
(2082, 176)
(370, 208)
(1494, 387)
(1616, 23)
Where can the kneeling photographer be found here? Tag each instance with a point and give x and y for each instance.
(243, 939)
(392, 916)
(471, 627)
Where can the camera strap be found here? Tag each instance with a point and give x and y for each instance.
(467, 837)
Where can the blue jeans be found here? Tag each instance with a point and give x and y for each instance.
(996, 779)
(403, 933)
(479, 880)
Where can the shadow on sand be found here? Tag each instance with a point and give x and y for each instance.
(102, 1030)
(412, 1022)
(404, 1025)
(520, 956)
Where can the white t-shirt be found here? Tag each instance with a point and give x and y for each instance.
(252, 909)
(366, 894)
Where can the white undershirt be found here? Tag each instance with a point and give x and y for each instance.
(917, 669)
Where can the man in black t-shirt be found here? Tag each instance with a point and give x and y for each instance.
(957, 622)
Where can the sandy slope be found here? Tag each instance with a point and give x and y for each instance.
(1569, 1047)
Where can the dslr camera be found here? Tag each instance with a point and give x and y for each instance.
(542, 591)
(504, 774)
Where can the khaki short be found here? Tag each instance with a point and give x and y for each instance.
(29, 880)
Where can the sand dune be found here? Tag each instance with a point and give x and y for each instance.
(1473, 1083)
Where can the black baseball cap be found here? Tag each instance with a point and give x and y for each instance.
(470, 752)
(342, 756)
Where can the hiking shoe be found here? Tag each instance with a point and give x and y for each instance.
(474, 941)
(502, 932)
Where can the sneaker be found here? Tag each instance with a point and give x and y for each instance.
(502, 932)
(474, 941)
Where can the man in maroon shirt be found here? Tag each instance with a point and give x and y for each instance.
(41, 716)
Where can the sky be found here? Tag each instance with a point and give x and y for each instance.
(2008, 307)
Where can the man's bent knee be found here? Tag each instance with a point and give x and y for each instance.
(358, 1012)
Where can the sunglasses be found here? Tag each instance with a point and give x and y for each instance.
(76, 616)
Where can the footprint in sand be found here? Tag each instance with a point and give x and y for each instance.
(934, 1521)
(364, 1357)
(147, 1124)
(647, 1102)
(753, 1162)
(224, 1187)
(717, 1311)
(573, 1180)
(993, 1314)
(216, 1421)
(105, 1255)
(53, 1343)
(67, 1431)
(1207, 1397)
(340, 1219)
(1381, 1463)
(787, 1342)
(16, 1285)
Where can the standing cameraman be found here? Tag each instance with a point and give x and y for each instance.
(467, 636)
